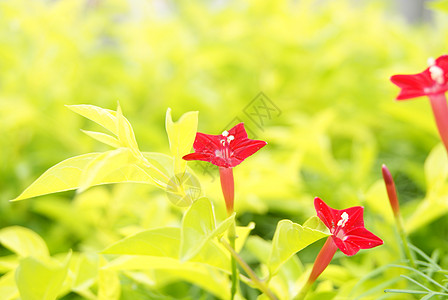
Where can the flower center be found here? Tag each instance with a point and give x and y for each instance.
(436, 72)
(228, 139)
(343, 220)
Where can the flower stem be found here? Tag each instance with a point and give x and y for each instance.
(232, 237)
(228, 191)
(404, 241)
(256, 281)
(393, 199)
(323, 259)
(228, 187)
(440, 111)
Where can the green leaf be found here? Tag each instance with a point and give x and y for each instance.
(441, 5)
(24, 242)
(290, 238)
(181, 135)
(8, 288)
(109, 287)
(242, 233)
(83, 272)
(198, 226)
(39, 280)
(436, 168)
(315, 223)
(64, 176)
(8, 263)
(110, 167)
(104, 117)
(435, 203)
(117, 165)
(153, 242)
(126, 134)
(200, 274)
(103, 138)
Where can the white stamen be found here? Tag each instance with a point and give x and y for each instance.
(225, 133)
(230, 138)
(431, 62)
(437, 74)
(343, 220)
(223, 142)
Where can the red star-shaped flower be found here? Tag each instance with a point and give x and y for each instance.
(347, 227)
(226, 150)
(432, 81)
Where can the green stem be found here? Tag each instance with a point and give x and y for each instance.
(232, 237)
(404, 241)
(255, 280)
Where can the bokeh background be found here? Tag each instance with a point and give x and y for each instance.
(310, 77)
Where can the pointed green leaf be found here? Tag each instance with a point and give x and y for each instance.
(23, 241)
(242, 232)
(181, 135)
(198, 226)
(126, 133)
(202, 275)
(109, 287)
(8, 288)
(63, 176)
(104, 117)
(153, 242)
(290, 238)
(213, 254)
(436, 168)
(315, 223)
(8, 263)
(39, 280)
(103, 138)
(89, 170)
(117, 165)
(441, 5)
(83, 273)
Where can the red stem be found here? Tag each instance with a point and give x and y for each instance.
(440, 111)
(323, 259)
(228, 187)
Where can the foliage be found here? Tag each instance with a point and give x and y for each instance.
(324, 70)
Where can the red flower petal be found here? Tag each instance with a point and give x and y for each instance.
(326, 213)
(346, 227)
(422, 84)
(226, 150)
(246, 148)
(358, 238)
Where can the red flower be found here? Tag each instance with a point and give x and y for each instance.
(432, 81)
(226, 150)
(346, 227)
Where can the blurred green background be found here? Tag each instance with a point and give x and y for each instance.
(322, 66)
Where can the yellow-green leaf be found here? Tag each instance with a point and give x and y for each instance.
(104, 117)
(200, 274)
(126, 134)
(117, 165)
(290, 238)
(41, 280)
(103, 138)
(181, 135)
(198, 226)
(8, 288)
(63, 176)
(109, 287)
(24, 242)
(153, 242)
